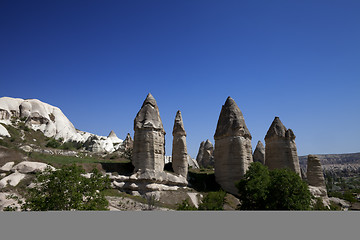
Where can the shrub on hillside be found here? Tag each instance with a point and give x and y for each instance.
(53, 143)
(213, 201)
(67, 189)
(278, 189)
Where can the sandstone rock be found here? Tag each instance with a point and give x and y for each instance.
(343, 203)
(4, 132)
(128, 142)
(12, 180)
(192, 162)
(114, 139)
(233, 152)
(280, 148)
(149, 137)
(179, 150)
(26, 148)
(5, 201)
(315, 175)
(7, 167)
(259, 153)
(31, 167)
(153, 176)
(205, 157)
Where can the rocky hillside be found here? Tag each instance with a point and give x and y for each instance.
(51, 121)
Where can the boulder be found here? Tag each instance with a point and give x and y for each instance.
(233, 152)
(149, 137)
(7, 167)
(179, 149)
(12, 180)
(259, 153)
(280, 148)
(31, 167)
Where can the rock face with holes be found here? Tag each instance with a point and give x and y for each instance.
(179, 149)
(233, 152)
(280, 148)
(205, 157)
(149, 137)
(259, 153)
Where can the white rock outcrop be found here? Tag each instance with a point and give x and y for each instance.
(7, 167)
(52, 122)
(31, 167)
(4, 132)
(12, 180)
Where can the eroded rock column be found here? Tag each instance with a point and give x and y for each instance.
(205, 157)
(233, 152)
(280, 148)
(315, 175)
(259, 153)
(149, 137)
(179, 149)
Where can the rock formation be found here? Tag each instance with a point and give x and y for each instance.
(179, 150)
(128, 142)
(52, 122)
(315, 175)
(149, 137)
(280, 148)
(233, 152)
(205, 157)
(259, 153)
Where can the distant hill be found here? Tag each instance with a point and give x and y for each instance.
(335, 161)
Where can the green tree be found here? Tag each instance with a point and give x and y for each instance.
(279, 189)
(254, 188)
(67, 189)
(287, 191)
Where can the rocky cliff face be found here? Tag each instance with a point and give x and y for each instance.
(280, 148)
(233, 152)
(149, 137)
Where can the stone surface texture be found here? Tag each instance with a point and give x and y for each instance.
(12, 180)
(233, 152)
(259, 153)
(205, 157)
(280, 148)
(179, 149)
(149, 137)
(31, 167)
(315, 175)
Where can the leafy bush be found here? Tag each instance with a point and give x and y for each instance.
(67, 189)
(185, 206)
(213, 201)
(53, 143)
(278, 189)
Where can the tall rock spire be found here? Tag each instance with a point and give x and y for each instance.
(149, 137)
(233, 152)
(179, 150)
(259, 153)
(280, 147)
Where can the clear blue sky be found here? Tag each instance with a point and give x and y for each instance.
(97, 60)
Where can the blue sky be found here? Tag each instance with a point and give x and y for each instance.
(97, 60)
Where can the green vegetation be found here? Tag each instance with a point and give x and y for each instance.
(53, 143)
(213, 201)
(185, 206)
(278, 189)
(67, 189)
